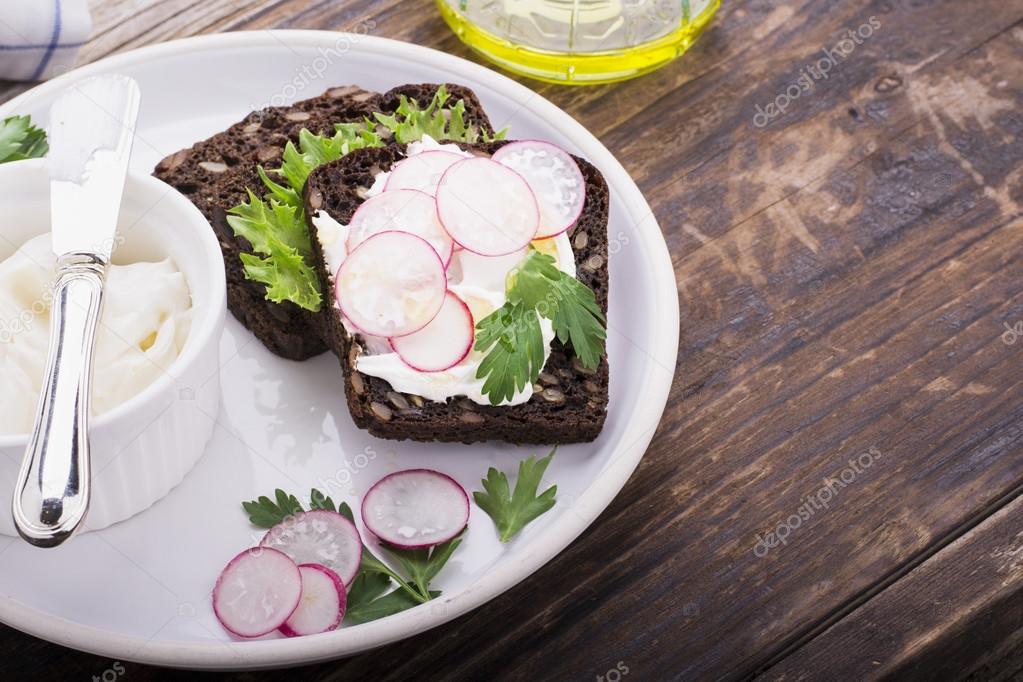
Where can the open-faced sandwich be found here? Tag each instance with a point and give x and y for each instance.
(471, 289)
(461, 279)
(272, 288)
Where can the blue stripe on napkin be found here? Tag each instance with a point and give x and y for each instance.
(54, 42)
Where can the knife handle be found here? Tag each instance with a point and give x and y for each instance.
(53, 490)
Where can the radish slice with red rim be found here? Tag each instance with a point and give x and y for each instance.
(422, 171)
(319, 537)
(257, 592)
(416, 508)
(403, 210)
(443, 343)
(392, 284)
(322, 606)
(487, 207)
(555, 179)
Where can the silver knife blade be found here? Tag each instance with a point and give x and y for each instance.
(92, 126)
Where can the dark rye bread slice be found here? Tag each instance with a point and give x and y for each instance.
(571, 403)
(215, 173)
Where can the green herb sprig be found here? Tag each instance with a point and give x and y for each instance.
(370, 595)
(511, 337)
(20, 140)
(512, 511)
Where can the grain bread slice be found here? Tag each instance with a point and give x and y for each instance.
(571, 402)
(215, 173)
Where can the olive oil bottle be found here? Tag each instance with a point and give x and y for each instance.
(579, 41)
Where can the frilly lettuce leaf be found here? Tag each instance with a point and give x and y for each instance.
(275, 223)
(286, 275)
(281, 248)
(409, 123)
(315, 150)
(262, 220)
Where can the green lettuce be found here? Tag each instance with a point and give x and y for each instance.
(274, 223)
(441, 122)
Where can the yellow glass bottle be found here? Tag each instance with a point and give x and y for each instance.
(579, 42)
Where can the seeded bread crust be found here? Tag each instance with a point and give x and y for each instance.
(215, 173)
(570, 403)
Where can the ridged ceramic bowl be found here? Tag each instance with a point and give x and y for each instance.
(144, 447)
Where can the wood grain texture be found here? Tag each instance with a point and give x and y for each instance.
(928, 625)
(846, 273)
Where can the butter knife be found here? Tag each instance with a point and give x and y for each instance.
(92, 126)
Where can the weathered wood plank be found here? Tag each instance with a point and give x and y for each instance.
(961, 606)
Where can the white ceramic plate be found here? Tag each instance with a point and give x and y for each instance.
(140, 590)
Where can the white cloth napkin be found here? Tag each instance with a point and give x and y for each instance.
(39, 39)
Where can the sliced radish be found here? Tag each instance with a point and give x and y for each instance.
(257, 592)
(392, 284)
(319, 537)
(416, 508)
(555, 179)
(441, 344)
(404, 210)
(422, 171)
(487, 207)
(322, 605)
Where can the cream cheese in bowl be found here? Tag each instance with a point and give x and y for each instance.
(156, 380)
(145, 322)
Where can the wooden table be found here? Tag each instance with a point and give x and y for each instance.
(851, 281)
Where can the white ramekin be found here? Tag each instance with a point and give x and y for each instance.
(144, 447)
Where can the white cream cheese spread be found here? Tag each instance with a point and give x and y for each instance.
(145, 321)
(477, 280)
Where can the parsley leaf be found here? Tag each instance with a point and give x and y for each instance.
(511, 336)
(579, 321)
(511, 511)
(366, 588)
(317, 500)
(20, 140)
(423, 565)
(267, 513)
(362, 609)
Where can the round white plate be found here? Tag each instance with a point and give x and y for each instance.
(140, 590)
